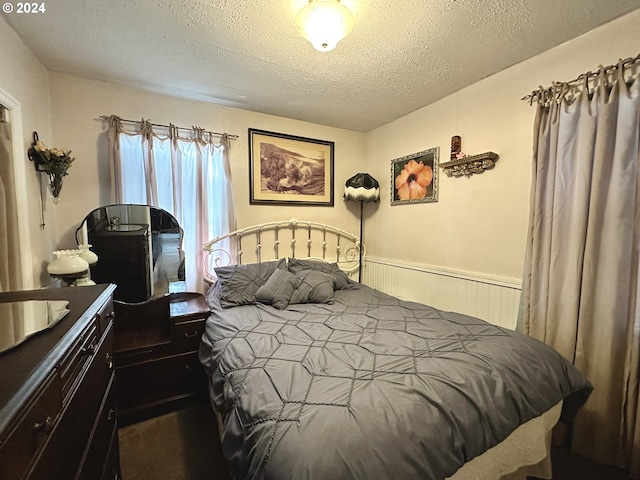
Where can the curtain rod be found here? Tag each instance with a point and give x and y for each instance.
(105, 118)
(627, 61)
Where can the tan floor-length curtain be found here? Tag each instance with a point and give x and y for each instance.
(580, 289)
(10, 275)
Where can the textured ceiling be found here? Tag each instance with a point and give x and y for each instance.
(400, 56)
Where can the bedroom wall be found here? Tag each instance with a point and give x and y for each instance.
(476, 232)
(26, 80)
(77, 103)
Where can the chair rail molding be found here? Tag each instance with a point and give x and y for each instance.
(493, 298)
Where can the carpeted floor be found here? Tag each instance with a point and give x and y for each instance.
(184, 445)
(569, 466)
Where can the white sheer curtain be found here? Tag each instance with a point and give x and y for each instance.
(580, 291)
(189, 177)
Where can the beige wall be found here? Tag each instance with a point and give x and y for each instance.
(479, 223)
(77, 103)
(26, 81)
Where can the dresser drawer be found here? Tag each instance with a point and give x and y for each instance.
(70, 436)
(79, 355)
(188, 334)
(105, 316)
(97, 451)
(111, 470)
(24, 441)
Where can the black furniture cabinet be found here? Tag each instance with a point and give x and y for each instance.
(139, 248)
(57, 394)
(123, 259)
(156, 355)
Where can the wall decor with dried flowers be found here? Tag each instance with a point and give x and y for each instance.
(55, 162)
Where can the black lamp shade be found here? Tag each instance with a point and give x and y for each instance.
(362, 187)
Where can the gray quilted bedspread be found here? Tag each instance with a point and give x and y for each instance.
(372, 387)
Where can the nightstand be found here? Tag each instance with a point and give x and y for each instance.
(156, 355)
(188, 312)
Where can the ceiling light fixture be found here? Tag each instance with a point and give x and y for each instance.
(324, 23)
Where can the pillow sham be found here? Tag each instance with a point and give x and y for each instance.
(238, 284)
(342, 281)
(315, 287)
(278, 289)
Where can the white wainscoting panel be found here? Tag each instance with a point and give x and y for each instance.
(494, 299)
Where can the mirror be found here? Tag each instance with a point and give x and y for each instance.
(21, 319)
(139, 248)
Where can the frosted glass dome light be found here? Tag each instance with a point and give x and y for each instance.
(324, 23)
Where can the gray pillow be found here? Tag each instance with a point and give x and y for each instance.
(278, 289)
(315, 287)
(238, 284)
(341, 279)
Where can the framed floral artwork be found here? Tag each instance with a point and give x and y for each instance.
(414, 178)
(289, 170)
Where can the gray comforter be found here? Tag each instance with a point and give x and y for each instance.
(372, 387)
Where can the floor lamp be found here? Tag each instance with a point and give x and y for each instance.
(362, 188)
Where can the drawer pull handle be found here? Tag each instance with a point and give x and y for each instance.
(44, 427)
(191, 335)
(90, 350)
(109, 361)
(111, 414)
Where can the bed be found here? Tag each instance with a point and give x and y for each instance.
(315, 376)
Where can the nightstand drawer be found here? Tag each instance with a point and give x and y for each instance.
(188, 334)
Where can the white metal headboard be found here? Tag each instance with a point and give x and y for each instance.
(300, 239)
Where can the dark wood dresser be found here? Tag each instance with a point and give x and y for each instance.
(156, 355)
(57, 392)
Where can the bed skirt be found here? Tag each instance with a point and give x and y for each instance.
(526, 452)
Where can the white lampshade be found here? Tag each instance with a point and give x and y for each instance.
(87, 254)
(324, 23)
(67, 262)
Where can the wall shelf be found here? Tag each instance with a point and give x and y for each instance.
(470, 164)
